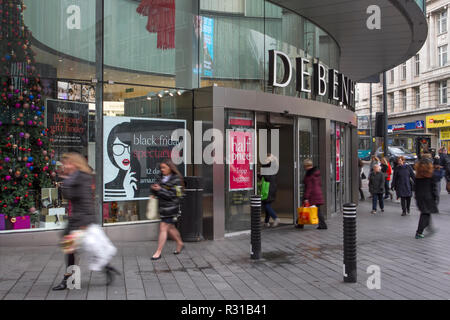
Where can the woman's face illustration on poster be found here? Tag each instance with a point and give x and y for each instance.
(122, 154)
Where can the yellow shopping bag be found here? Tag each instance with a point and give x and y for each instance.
(308, 215)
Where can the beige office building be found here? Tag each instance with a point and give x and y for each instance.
(418, 100)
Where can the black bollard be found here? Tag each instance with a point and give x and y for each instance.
(350, 242)
(256, 227)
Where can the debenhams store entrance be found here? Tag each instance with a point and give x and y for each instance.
(230, 67)
(305, 129)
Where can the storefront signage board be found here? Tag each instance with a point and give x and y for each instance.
(133, 148)
(406, 126)
(438, 121)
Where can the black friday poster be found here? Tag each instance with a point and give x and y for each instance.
(133, 148)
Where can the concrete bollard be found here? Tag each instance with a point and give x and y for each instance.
(350, 270)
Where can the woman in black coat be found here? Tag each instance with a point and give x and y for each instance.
(403, 184)
(168, 190)
(272, 179)
(78, 187)
(425, 194)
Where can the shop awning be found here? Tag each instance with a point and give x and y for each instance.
(366, 53)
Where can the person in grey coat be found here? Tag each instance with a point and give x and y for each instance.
(78, 187)
(402, 183)
(376, 187)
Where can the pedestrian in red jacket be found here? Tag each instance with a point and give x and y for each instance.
(387, 170)
(313, 190)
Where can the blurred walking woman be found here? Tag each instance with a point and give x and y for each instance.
(78, 188)
(166, 190)
(425, 194)
(403, 184)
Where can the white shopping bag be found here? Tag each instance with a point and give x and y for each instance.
(98, 248)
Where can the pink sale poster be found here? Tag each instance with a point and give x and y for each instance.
(241, 155)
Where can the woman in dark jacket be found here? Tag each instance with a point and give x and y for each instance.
(313, 190)
(403, 184)
(425, 194)
(267, 204)
(78, 187)
(168, 190)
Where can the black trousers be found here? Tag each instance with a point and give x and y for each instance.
(386, 188)
(406, 204)
(322, 222)
(424, 222)
(361, 193)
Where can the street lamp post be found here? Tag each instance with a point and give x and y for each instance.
(386, 150)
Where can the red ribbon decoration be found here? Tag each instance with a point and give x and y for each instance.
(161, 20)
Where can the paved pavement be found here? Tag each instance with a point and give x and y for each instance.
(297, 264)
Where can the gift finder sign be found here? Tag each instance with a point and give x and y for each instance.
(241, 156)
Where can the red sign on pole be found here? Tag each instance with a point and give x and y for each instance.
(338, 155)
(240, 148)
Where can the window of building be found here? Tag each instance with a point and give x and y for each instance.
(380, 103)
(417, 91)
(391, 102)
(417, 65)
(392, 75)
(443, 92)
(442, 55)
(404, 100)
(404, 71)
(442, 22)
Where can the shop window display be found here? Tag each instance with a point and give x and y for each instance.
(27, 161)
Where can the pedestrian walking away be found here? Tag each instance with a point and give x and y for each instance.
(313, 190)
(271, 161)
(425, 195)
(437, 178)
(361, 172)
(387, 170)
(77, 187)
(402, 183)
(168, 190)
(376, 187)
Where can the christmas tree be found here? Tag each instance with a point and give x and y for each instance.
(26, 163)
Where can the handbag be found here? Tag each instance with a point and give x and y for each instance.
(307, 215)
(264, 187)
(152, 208)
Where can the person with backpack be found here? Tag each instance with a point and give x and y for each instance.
(272, 180)
(168, 190)
(402, 183)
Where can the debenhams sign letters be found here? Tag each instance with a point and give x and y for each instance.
(339, 88)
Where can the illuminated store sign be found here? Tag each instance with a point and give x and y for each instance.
(339, 87)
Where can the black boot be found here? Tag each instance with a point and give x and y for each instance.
(109, 271)
(62, 285)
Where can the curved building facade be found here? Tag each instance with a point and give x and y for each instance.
(249, 69)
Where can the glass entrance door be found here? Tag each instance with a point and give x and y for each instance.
(308, 148)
